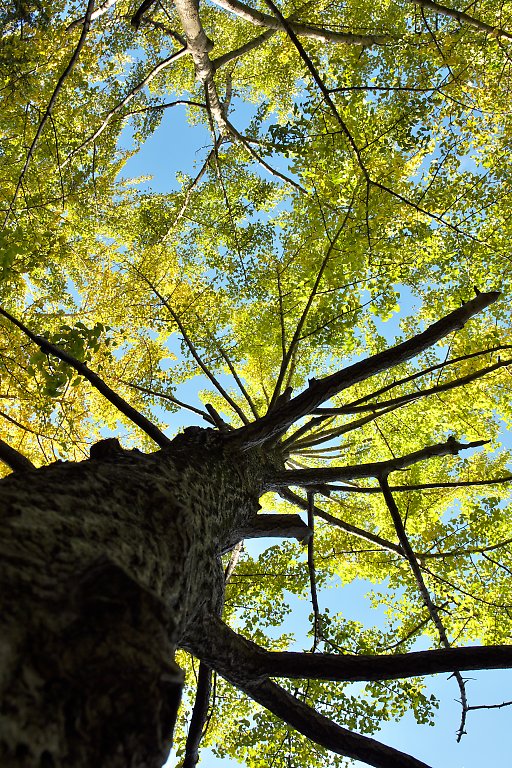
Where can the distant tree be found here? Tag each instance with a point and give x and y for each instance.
(373, 168)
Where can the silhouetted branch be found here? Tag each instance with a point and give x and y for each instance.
(422, 587)
(424, 486)
(347, 527)
(308, 477)
(412, 396)
(311, 571)
(169, 398)
(14, 459)
(199, 716)
(117, 401)
(276, 422)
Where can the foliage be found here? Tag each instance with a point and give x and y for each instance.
(369, 184)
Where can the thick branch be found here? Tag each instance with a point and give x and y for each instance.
(238, 661)
(14, 459)
(313, 477)
(100, 10)
(260, 19)
(353, 667)
(276, 422)
(117, 401)
(271, 526)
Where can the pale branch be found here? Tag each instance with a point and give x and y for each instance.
(425, 371)
(126, 100)
(81, 368)
(15, 460)
(412, 396)
(236, 53)
(305, 312)
(199, 46)
(312, 31)
(463, 17)
(100, 10)
(424, 486)
(238, 661)
(320, 390)
(46, 116)
(422, 588)
(312, 572)
(169, 398)
(347, 527)
(218, 386)
(308, 477)
(199, 716)
(233, 561)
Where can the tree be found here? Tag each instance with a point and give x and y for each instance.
(374, 162)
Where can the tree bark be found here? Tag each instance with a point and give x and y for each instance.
(103, 565)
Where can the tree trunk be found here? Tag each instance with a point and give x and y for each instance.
(104, 565)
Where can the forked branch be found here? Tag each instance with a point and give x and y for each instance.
(278, 421)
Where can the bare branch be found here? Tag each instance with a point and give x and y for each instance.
(169, 398)
(137, 17)
(100, 10)
(424, 486)
(311, 571)
(423, 590)
(425, 371)
(199, 716)
(311, 477)
(117, 401)
(260, 19)
(14, 459)
(275, 423)
(412, 396)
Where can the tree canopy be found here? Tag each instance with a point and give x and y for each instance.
(355, 165)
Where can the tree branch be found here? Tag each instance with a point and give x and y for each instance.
(14, 459)
(100, 10)
(462, 17)
(117, 401)
(260, 19)
(238, 661)
(319, 475)
(275, 423)
(287, 526)
(199, 716)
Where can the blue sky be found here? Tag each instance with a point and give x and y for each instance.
(174, 147)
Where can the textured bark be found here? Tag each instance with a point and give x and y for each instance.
(103, 565)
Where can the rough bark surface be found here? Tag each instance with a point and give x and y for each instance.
(103, 566)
